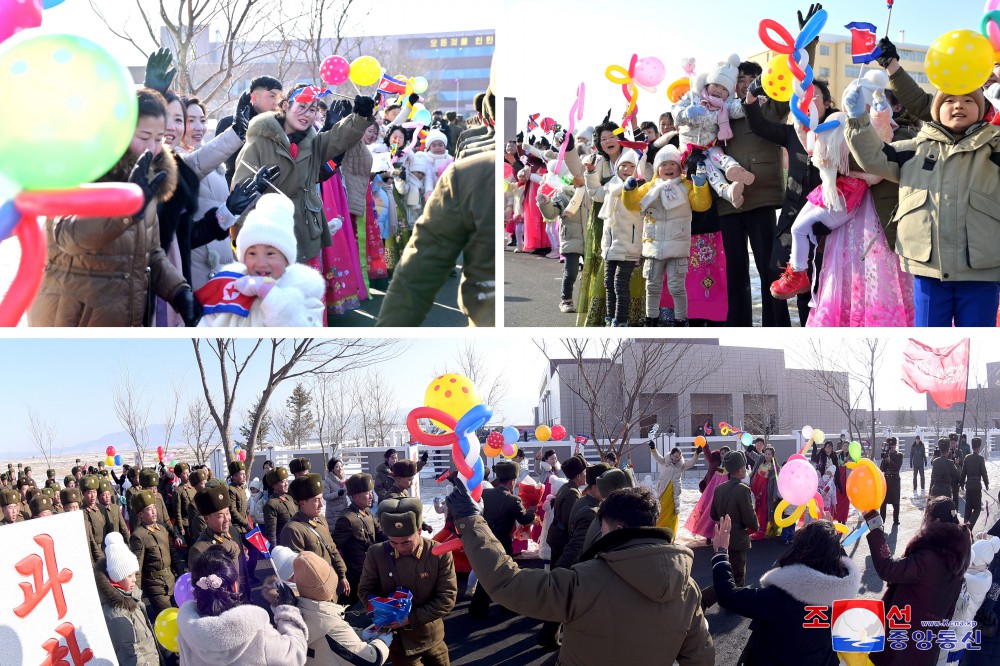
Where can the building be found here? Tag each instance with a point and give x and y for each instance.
(834, 63)
(980, 411)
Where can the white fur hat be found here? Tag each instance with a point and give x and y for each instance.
(271, 222)
(984, 551)
(120, 562)
(282, 559)
(726, 74)
(628, 155)
(435, 135)
(666, 154)
(420, 161)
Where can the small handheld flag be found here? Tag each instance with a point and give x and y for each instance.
(532, 121)
(582, 440)
(220, 296)
(256, 539)
(390, 86)
(863, 42)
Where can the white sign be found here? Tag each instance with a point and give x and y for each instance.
(50, 613)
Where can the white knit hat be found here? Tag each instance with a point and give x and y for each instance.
(282, 559)
(628, 155)
(666, 154)
(271, 222)
(121, 563)
(726, 74)
(420, 161)
(435, 135)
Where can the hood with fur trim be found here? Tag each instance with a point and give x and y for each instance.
(805, 584)
(951, 542)
(164, 162)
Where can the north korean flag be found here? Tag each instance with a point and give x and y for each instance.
(582, 440)
(258, 541)
(219, 295)
(863, 42)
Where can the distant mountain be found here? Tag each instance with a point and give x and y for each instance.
(120, 440)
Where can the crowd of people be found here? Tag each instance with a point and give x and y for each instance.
(652, 226)
(299, 208)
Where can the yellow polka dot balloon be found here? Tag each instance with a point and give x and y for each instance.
(453, 394)
(165, 629)
(959, 61)
(777, 79)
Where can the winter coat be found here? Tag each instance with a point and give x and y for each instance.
(671, 473)
(128, 624)
(354, 533)
(630, 597)
(336, 498)
(267, 144)
(918, 456)
(457, 219)
(562, 510)
(949, 206)
(703, 130)
(567, 204)
(622, 235)
(885, 194)
(242, 635)
(383, 480)
(99, 271)
(944, 474)
(775, 609)
(356, 170)
(278, 511)
(502, 509)
(734, 499)
(333, 642)
(928, 578)
(584, 514)
(303, 533)
(667, 206)
(296, 299)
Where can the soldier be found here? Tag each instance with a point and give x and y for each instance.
(196, 523)
(69, 481)
(93, 515)
(77, 472)
(114, 521)
(299, 467)
(973, 478)
(357, 530)
(148, 480)
(956, 456)
(407, 560)
(150, 543)
(238, 514)
(213, 504)
(891, 463)
(607, 483)
(944, 473)
(280, 507)
(383, 474)
(403, 472)
(307, 530)
(71, 498)
(27, 475)
(23, 487)
(10, 501)
(53, 494)
(183, 497)
(583, 514)
(501, 509)
(50, 475)
(41, 505)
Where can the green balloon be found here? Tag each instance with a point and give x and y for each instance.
(74, 110)
(855, 450)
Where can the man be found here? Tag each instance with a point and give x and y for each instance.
(891, 463)
(955, 455)
(944, 473)
(24, 487)
(69, 481)
(973, 478)
(183, 498)
(196, 522)
(307, 530)
(607, 483)
(403, 472)
(407, 560)
(501, 510)
(918, 461)
(583, 515)
(453, 132)
(148, 479)
(734, 499)
(238, 513)
(299, 467)
(93, 516)
(280, 506)
(150, 543)
(757, 452)
(53, 495)
(41, 505)
(383, 474)
(963, 445)
(10, 502)
(474, 132)
(649, 131)
(615, 573)
(77, 472)
(213, 505)
(263, 96)
(357, 530)
(71, 499)
(114, 521)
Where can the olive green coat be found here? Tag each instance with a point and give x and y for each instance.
(229, 542)
(93, 519)
(355, 532)
(277, 513)
(183, 500)
(151, 546)
(114, 521)
(312, 534)
(238, 509)
(735, 500)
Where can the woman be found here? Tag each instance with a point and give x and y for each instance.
(927, 578)
(843, 507)
(335, 491)
(121, 601)
(218, 628)
(383, 474)
(668, 484)
(764, 486)
(700, 523)
(548, 469)
(815, 571)
(356, 169)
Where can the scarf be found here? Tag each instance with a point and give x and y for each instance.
(716, 104)
(670, 194)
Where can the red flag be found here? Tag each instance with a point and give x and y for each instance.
(943, 373)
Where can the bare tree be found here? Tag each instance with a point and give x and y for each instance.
(170, 409)
(763, 413)
(333, 413)
(132, 410)
(383, 405)
(198, 429)
(43, 433)
(285, 359)
(493, 386)
(977, 402)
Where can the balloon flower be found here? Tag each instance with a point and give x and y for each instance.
(866, 491)
(990, 26)
(798, 484)
(682, 86)
(626, 78)
(575, 114)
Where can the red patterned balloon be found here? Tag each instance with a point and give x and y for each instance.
(494, 440)
(558, 433)
(335, 70)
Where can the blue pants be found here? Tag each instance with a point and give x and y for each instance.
(965, 303)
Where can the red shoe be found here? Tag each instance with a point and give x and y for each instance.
(790, 284)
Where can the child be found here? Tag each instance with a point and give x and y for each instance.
(947, 216)
(411, 183)
(566, 204)
(666, 203)
(621, 243)
(703, 116)
(275, 292)
(828, 488)
(121, 601)
(437, 149)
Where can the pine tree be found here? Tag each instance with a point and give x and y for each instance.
(299, 422)
(262, 431)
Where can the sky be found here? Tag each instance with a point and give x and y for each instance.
(541, 63)
(70, 380)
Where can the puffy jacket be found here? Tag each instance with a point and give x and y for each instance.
(100, 270)
(333, 642)
(672, 472)
(666, 221)
(567, 204)
(702, 130)
(242, 635)
(128, 625)
(296, 299)
(622, 234)
(949, 197)
(336, 498)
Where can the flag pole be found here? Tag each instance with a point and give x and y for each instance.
(888, 21)
(965, 403)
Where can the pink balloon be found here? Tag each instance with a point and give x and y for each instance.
(649, 72)
(508, 170)
(797, 481)
(335, 70)
(558, 433)
(509, 450)
(18, 15)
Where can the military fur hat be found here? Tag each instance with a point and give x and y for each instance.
(573, 465)
(210, 500)
(40, 502)
(594, 471)
(298, 465)
(734, 461)
(148, 478)
(68, 478)
(105, 486)
(76, 469)
(612, 480)
(9, 496)
(69, 495)
(404, 468)
(236, 467)
(401, 517)
(359, 483)
(180, 467)
(50, 473)
(48, 491)
(276, 475)
(197, 477)
(506, 471)
(89, 482)
(143, 498)
(306, 487)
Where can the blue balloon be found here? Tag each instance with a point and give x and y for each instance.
(510, 435)
(118, 460)
(236, 449)
(812, 29)
(474, 419)
(49, 4)
(9, 217)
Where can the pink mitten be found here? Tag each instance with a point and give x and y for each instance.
(252, 285)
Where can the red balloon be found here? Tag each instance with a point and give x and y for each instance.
(494, 440)
(335, 70)
(110, 451)
(159, 450)
(28, 278)
(243, 456)
(92, 200)
(558, 433)
(17, 15)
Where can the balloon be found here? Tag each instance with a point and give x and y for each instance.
(543, 433)
(49, 150)
(626, 78)
(797, 481)
(365, 71)
(649, 71)
(465, 446)
(678, 89)
(509, 450)
(453, 394)
(28, 278)
(510, 435)
(423, 116)
(88, 200)
(165, 629)
(110, 451)
(558, 433)
(183, 592)
(495, 440)
(700, 442)
(575, 114)
(508, 170)
(807, 432)
(777, 79)
(865, 485)
(10, 217)
(159, 450)
(335, 70)
(491, 452)
(855, 451)
(109, 461)
(17, 15)
(420, 85)
(990, 25)
(118, 459)
(243, 456)
(49, 4)
(236, 449)
(959, 61)
(746, 439)
(819, 437)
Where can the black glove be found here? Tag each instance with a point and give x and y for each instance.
(140, 177)
(262, 179)
(241, 120)
(340, 493)
(414, 98)
(159, 73)
(364, 106)
(285, 595)
(187, 306)
(756, 88)
(426, 528)
(889, 52)
(242, 196)
(424, 456)
(520, 137)
(820, 230)
(402, 173)
(652, 445)
(459, 500)
(813, 8)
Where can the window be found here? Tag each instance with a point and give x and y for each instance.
(910, 54)
(852, 71)
(824, 49)
(847, 48)
(824, 72)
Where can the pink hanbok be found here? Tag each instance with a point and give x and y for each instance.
(340, 265)
(700, 521)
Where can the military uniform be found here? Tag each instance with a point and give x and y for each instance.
(94, 519)
(238, 501)
(312, 534)
(39, 504)
(355, 532)
(114, 521)
(973, 476)
(151, 546)
(279, 508)
(183, 500)
(209, 501)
